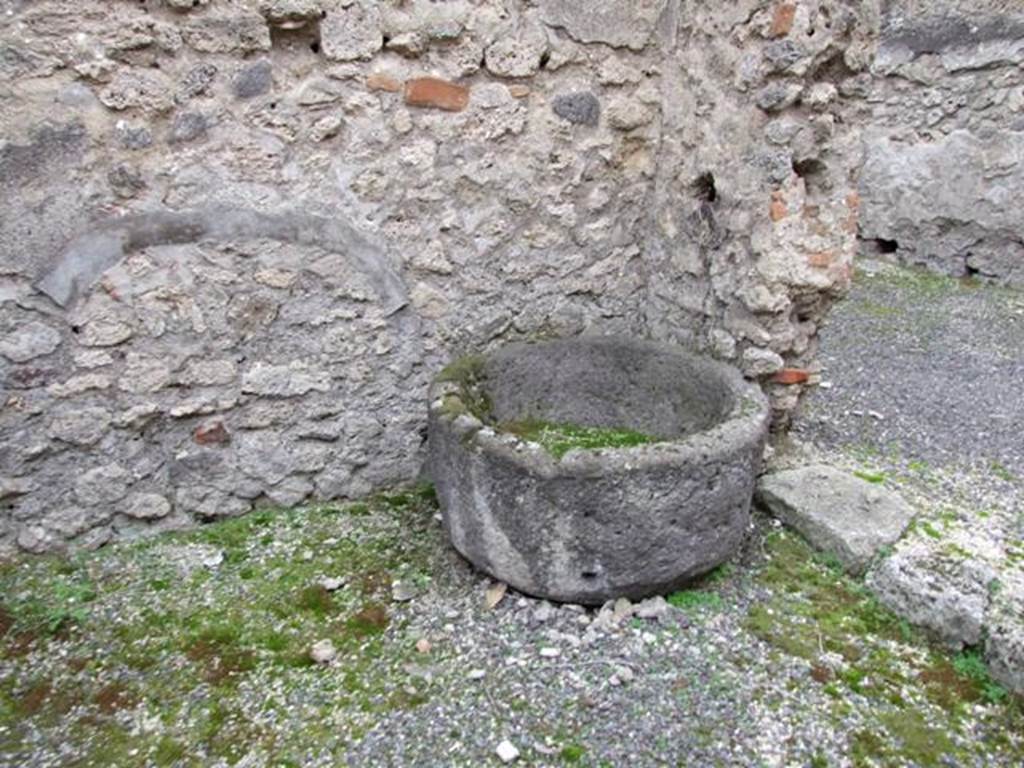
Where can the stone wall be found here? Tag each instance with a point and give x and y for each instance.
(239, 236)
(944, 154)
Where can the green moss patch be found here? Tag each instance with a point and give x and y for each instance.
(469, 374)
(208, 633)
(559, 439)
(858, 650)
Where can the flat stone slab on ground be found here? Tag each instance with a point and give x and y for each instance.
(836, 512)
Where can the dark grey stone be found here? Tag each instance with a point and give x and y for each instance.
(782, 55)
(581, 108)
(50, 148)
(597, 524)
(778, 96)
(131, 137)
(942, 31)
(254, 80)
(188, 126)
(125, 181)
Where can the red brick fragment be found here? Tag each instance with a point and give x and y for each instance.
(822, 259)
(782, 21)
(436, 93)
(211, 433)
(378, 81)
(791, 376)
(778, 209)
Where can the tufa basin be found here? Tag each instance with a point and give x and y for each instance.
(667, 502)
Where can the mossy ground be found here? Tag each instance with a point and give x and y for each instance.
(924, 706)
(144, 655)
(559, 439)
(193, 650)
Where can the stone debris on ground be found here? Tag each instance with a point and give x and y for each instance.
(323, 652)
(950, 446)
(836, 512)
(507, 752)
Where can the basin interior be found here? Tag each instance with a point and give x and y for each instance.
(607, 383)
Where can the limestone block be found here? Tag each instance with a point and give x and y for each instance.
(80, 426)
(238, 31)
(931, 590)
(102, 486)
(291, 380)
(517, 54)
(32, 340)
(836, 512)
(144, 90)
(619, 23)
(351, 33)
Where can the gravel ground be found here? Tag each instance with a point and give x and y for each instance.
(194, 649)
(925, 396)
(923, 366)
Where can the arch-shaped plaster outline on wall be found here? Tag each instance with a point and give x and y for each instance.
(88, 256)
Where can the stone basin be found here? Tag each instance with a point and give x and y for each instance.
(594, 524)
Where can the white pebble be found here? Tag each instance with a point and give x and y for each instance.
(625, 674)
(550, 653)
(323, 652)
(507, 752)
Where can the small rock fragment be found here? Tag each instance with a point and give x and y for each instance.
(423, 645)
(147, 506)
(652, 608)
(494, 594)
(544, 612)
(622, 609)
(254, 80)
(581, 108)
(403, 592)
(214, 559)
(507, 752)
(188, 126)
(323, 652)
(30, 341)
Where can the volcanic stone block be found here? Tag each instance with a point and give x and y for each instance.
(596, 523)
